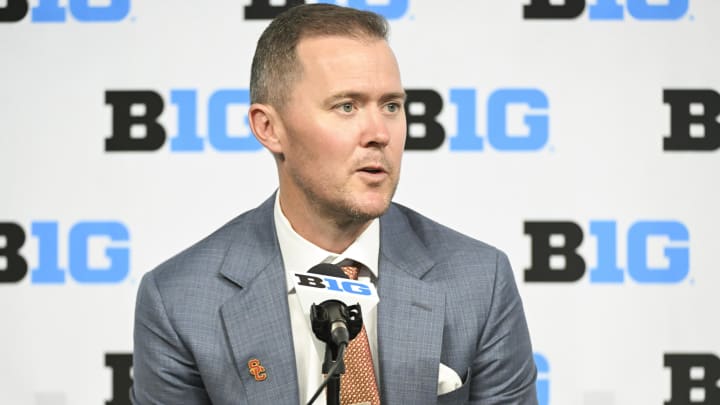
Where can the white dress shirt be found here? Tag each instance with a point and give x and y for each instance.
(300, 255)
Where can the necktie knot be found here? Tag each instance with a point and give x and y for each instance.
(351, 271)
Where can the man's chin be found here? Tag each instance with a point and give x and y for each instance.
(370, 210)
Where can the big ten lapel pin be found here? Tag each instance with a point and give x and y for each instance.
(257, 370)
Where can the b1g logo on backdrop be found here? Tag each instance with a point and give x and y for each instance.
(136, 126)
(523, 107)
(269, 9)
(50, 11)
(120, 365)
(607, 9)
(694, 122)
(694, 378)
(542, 384)
(83, 244)
(555, 256)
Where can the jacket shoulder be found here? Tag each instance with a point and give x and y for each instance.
(200, 263)
(441, 240)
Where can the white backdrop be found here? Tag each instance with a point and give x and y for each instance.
(603, 160)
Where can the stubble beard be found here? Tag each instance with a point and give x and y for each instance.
(344, 211)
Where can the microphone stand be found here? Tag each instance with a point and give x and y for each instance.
(335, 324)
(333, 367)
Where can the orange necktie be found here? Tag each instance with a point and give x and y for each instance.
(358, 384)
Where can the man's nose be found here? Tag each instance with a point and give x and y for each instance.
(375, 131)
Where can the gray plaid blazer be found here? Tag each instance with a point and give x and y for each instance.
(201, 316)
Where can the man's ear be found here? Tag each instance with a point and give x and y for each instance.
(267, 126)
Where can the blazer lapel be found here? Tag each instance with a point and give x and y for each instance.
(411, 315)
(257, 318)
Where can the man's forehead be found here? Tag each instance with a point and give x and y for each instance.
(343, 53)
(346, 64)
(328, 41)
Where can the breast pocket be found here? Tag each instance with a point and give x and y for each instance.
(458, 396)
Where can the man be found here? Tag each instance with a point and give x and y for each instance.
(220, 323)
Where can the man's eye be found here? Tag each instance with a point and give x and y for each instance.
(393, 107)
(346, 107)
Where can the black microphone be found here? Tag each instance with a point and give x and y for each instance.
(332, 320)
(336, 324)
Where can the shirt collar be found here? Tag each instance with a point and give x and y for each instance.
(300, 255)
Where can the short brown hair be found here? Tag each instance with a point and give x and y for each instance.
(275, 66)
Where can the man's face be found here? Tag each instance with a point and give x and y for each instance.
(344, 130)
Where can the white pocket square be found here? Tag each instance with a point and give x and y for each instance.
(448, 380)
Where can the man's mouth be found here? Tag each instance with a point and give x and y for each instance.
(373, 169)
